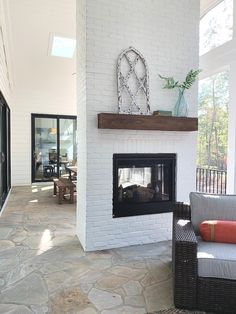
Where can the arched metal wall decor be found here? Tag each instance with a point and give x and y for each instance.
(133, 83)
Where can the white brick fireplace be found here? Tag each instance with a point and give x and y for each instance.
(166, 33)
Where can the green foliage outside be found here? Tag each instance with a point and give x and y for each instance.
(213, 121)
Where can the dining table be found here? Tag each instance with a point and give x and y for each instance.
(72, 170)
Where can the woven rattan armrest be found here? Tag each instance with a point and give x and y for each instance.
(184, 232)
(181, 210)
(184, 264)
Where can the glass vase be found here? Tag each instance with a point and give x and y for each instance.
(181, 106)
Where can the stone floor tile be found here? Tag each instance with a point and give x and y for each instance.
(128, 262)
(125, 310)
(120, 291)
(44, 270)
(14, 309)
(70, 301)
(133, 288)
(151, 250)
(86, 287)
(65, 240)
(38, 229)
(39, 309)
(158, 271)
(100, 254)
(2, 283)
(88, 310)
(159, 296)
(26, 254)
(100, 264)
(6, 244)
(20, 272)
(90, 277)
(135, 300)
(55, 281)
(19, 236)
(30, 290)
(111, 282)
(48, 268)
(10, 261)
(128, 272)
(103, 299)
(5, 232)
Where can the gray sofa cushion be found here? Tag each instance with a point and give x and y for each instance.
(211, 207)
(217, 260)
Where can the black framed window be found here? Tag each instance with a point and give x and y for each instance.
(5, 153)
(53, 146)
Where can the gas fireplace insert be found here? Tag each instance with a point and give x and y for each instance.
(143, 184)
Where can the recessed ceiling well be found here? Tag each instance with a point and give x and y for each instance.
(62, 47)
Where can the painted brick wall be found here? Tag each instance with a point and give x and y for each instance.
(82, 119)
(166, 33)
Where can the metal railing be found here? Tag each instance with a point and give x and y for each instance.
(211, 181)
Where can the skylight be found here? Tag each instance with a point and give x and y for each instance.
(63, 47)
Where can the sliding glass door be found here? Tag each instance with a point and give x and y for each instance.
(5, 175)
(45, 148)
(67, 144)
(1, 156)
(53, 146)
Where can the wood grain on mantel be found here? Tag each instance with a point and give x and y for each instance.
(141, 122)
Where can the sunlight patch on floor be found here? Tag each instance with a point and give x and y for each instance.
(34, 201)
(45, 188)
(45, 242)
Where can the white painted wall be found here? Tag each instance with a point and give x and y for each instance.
(26, 102)
(5, 85)
(166, 33)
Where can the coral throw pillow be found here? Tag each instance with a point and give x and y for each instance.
(218, 231)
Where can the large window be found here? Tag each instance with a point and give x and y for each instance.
(53, 146)
(5, 173)
(216, 27)
(213, 121)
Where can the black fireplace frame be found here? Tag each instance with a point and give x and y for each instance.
(125, 210)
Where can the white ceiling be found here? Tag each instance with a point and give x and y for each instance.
(30, 24)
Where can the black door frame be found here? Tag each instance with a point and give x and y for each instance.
(52, 116)
(5, 150)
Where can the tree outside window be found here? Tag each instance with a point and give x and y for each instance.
(216, 27)
(213, 121)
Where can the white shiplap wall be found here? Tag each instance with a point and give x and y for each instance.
(4, 70)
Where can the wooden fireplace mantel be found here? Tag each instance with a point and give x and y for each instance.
(141, 122)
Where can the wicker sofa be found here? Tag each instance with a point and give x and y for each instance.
(197, 284)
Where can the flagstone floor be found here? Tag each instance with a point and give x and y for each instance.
(43, 268)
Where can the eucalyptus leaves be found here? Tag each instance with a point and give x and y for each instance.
(189, 80)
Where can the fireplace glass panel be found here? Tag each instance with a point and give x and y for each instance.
(142, 184)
